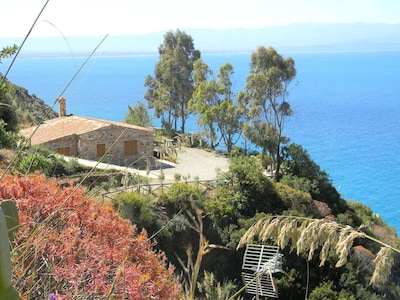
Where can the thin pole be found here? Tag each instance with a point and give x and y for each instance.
(308, 279)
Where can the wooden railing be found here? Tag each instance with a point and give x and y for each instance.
(153, 188)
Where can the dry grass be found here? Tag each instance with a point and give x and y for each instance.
(384, 262)
(308, 235)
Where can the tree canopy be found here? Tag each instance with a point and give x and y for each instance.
(138, 115)
(171, 88)
(266, 93)
(220, 113)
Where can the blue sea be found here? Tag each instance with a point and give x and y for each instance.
(347, 109)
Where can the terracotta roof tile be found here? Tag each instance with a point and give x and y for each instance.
(65, 126)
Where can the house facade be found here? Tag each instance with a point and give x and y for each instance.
(93, 139)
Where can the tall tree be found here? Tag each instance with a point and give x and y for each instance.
(220, 113)
(172, 86)
(266, 92)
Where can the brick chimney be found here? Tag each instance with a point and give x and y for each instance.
(62, 107)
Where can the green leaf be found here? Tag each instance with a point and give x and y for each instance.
(5, 259)
(10, 294)
(11, 214)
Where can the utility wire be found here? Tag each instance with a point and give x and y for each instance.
(165, 225)
(65, 39)
(81, 67)
(54, 103)
(23, 42)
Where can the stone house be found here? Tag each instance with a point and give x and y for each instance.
(89, 138)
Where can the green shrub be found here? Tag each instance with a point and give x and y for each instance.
(35, 162)
(7, 138)
(139, 209)
(223, 207)
(365, 214)
(297, 162)
(294, 199)
(325, 291)
(300, 183)
(181, 194)
(247, 181)
(177, 177)
(72, 166)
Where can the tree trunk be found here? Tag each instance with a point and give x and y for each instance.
(183, 126)
(278, 161)
(183, 117)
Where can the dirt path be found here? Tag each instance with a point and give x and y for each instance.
(192, 163)
(196, 163)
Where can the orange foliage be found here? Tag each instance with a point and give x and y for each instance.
(73, 247)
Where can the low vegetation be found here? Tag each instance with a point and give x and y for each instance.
(71, 246)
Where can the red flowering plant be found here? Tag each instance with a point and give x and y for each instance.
(71, 246)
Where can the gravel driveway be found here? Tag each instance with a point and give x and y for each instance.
(192, 163)
(199, 164)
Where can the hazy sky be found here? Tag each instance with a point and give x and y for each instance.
(120, 17)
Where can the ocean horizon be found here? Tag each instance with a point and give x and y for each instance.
(346, 108)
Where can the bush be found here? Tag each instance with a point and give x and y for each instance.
(294, 199)
(35, 162)
(223, 207)
(141, 210)
(7, 138)
(246, 180)
(181, 194)
(365, 214)
(177, 177)
(325, 291)
(300, 183)
(72, 166)
(71, 246)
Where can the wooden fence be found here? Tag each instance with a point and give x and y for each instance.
(153, 188)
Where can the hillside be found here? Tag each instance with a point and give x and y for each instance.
(29, 109)
(35, 106)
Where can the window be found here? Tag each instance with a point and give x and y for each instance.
(67, 151)
(100, 149)
(64, 151)
(131, 147)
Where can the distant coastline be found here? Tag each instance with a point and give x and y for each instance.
(65, 55)
(351, 37)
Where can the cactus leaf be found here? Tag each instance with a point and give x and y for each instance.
(9, 294)
(11, 214)
(5, 259)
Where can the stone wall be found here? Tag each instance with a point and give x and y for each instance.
(67, 141)
(87, 144)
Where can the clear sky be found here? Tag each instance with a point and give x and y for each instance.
(120, 17)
